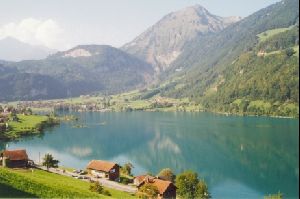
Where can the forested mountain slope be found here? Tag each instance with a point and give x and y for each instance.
(237, 63)
(81, 70)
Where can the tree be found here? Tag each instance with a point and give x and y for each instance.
(202, 190)
(49, 161)
(148, 191)
(290, 52)
(126, 169)
(274, 196)
(167, 174)
(189, 186)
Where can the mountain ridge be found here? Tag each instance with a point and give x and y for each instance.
(109, 70)
(162, 43)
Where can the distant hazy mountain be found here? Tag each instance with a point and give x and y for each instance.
(162, 43)
(80, 70)
(14, 50)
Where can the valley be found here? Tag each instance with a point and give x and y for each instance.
(190, 105)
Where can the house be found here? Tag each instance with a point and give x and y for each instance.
(165, 188)
(104, 169)
(15, 158)
(138, 180)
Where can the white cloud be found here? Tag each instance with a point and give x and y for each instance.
(36, 32)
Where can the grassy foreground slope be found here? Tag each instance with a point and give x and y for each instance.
(41, 184)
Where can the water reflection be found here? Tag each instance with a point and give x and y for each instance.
(237, 156)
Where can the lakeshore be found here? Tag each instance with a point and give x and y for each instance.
(24, 125)
(139, 101)
(224, 150)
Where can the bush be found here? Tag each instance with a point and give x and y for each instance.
(148, 191)
(125, 180)
(106, 192)
(98, 188)
(290, 52)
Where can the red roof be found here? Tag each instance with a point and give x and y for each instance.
(100, 165)
(140, 178)
(16, 154)
(162, 185)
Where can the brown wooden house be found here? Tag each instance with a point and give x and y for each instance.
(15, 158)
(99, 168)
(165, 188)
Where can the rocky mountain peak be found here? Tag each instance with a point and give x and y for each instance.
(162, 43)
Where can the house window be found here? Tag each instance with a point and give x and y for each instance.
(113, 171)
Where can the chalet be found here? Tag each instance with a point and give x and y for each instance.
(103, 169)
(15, 158)
(165, 188)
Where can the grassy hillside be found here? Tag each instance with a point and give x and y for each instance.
(26, 125)
(41, 184)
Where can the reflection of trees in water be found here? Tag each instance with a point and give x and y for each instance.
(2, 145)
(258, 159)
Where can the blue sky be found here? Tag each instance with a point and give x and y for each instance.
(61, 24)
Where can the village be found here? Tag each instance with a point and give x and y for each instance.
(107, 174)
(131, 101)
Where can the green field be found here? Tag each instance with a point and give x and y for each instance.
(42, 184)
(269, 33)
(25, 125)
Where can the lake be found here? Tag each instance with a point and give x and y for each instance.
(239, 157)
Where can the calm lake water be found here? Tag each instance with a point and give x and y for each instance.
(239, 157)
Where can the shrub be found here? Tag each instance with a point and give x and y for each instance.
(97, 187)
(125, 180)
(148, 191)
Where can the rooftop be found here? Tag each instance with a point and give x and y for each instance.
(101, 165)
(16, 154)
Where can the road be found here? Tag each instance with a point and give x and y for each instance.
(104, 182)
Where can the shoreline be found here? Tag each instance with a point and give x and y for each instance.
(189, 111)
(39, 128)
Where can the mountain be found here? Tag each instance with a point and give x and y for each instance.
(14, 50)
(15, 85)
(82, 70)
(162, 43)
(250, 62)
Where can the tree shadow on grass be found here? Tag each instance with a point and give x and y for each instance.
(10, 192)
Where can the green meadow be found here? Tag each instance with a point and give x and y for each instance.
(42, 184)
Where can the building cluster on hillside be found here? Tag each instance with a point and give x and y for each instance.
(96, 169)
(61, 105)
